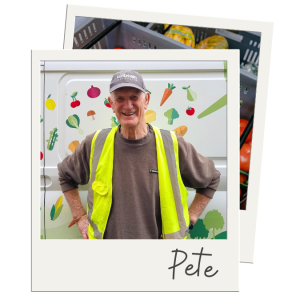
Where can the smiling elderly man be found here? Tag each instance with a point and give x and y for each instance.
(137, 174)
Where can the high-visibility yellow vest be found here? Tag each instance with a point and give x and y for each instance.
(172, 192)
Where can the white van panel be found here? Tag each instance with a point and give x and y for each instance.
(62, 79)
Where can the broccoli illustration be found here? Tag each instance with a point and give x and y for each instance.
(171, 114)
(114, 122)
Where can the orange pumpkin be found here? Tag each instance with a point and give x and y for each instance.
(213, 42)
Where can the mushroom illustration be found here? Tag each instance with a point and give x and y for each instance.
(91, 114)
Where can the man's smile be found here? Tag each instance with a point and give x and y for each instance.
(129, 114)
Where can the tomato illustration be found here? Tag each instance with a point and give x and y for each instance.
(107, 104)
(190, 111)
(41, 155)
(245, 157)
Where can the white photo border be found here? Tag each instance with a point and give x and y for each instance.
(134, 265)
(248, 216)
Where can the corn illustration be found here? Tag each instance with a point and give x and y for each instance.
(56, 209)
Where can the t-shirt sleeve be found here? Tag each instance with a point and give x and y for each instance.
(197, 171)
(74, 170)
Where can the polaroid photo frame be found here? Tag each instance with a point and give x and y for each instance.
(135, 265)
(247, 216)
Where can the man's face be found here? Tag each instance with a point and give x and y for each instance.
(129, 105)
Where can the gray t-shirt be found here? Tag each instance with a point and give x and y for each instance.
(135, 211)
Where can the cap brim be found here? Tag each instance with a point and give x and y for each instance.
(125, 84)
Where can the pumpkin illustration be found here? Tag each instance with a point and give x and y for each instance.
(213, 42)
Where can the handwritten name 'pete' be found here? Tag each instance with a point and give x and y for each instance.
(190, 266)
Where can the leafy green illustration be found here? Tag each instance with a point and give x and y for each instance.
(73, 122)
(171, 114)
(217, 105)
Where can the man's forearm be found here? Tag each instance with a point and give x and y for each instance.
(196, 208)
(74, 201)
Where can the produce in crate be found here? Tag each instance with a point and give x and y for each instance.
(243, 125)
(167, 93)
(243, 178)
(181, 34)
(245, 153)
(213, 42)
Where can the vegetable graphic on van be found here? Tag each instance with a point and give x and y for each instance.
(191, 95)
(171, 114)
(114, 122)
(56, 209)
(73, 122)
(75, 102)
(50, 103)
(52, 139)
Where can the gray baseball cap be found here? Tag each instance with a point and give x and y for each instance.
(127, 78)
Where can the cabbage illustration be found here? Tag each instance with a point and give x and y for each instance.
(73, 122)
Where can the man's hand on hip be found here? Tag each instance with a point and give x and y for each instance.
(83, 226)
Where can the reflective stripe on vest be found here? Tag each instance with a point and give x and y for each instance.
(173, 194)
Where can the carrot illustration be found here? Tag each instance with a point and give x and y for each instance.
(71, 224)
(167, 93)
